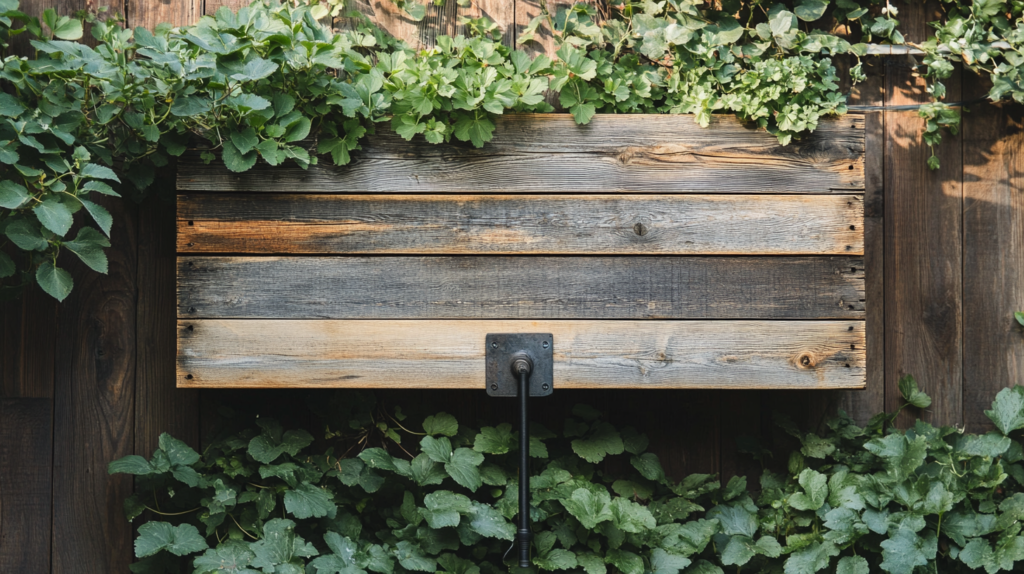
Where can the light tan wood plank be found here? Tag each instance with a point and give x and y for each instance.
(496, 224)
(548, 153)
(588, 354)
(521, 287)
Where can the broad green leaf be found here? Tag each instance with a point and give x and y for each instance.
(12, 195)
(557, 559)
(411, 557)
(477, 129)
(231, 557)
(96, 171)
(738, 551)
(494, 440)
(1008, 409)
(266, 449)
(308, 501)
(131, 464)
(245, 140)
(815, 487)
(852, 565)
(663, 562)
(441, 424)
(88, 246)
(278, 545)
(631, 517)
(463, 468)
(178, 540)
(55, 281)
(488, 522)
(54, 216)
(438, 449)
(178, 453)
(237, 161)
(626, 562)
(297, 130)
(812, 558)
(593, 564)
(603, 441)
(905, 550)
(735, 519)
(648, 465)
(810, 10)
(26, 235)
(589, 507)
(99, 214)
(255, 69)
(426, 471)
(7, 266)
(911, 394)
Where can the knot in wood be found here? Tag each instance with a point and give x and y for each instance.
(805, 361)
(640, 229)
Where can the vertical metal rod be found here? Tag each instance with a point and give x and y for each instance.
(524, 472)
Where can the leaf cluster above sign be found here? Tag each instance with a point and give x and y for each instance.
(657, 253)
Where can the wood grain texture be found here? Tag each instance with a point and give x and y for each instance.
(450, 354)
(94, 407)
(148, 13)
(29, 327)
(502, 287)
(26, 457)
(993, 254)
(862, 405)
(159, 406)
(548, 153)
(510, 224)
(923, 258)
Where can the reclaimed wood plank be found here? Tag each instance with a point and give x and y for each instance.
(862, 405)
(923, 252)
(149, 13)
(94, 407)
(548, 153)
(159, 406)
(29, 327)
(588, 354)
(503, 287)
(511, 224)
(993, 254)
(26, 452)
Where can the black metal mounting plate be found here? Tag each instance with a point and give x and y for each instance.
(501, 381)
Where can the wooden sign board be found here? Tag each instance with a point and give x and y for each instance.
(659, 255)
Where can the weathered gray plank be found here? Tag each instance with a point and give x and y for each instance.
(588, 354)
(26, 468)
(495, 224)
(499, 287)
(549, 153)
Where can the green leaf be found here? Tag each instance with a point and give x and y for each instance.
(495, 440)
(411, 557)
(88, 246)
(426, 471)
(815, 487)
(444, 508)
(603, 441)
(648, 465)
(178, 540)
(463, 468)
(588, 506)
(99, 214)
(557, 559)
(278, 545)
(245, 140)
(7, 266)
(735, 519)
(477, 129)
(55, 281)
(811, 10)
(738, 551)
(629, 516)
(308, 501)
(626, 562)
(297, 130)
(68, 28)
(255, 69)
(266, 448)
(852, 565)
(811, 559)
(231, 557)
(1008, 410)
(438, 449)
(901, 455)
(131, 464)
(441, 424)
(911, 394)
(664, 562)
(12, 195)
(54, 216)
(26, 235)
(191, 106)
(237, 161)
(906, 550)
(487, 521)
(97, 171)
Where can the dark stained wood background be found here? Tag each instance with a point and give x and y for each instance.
(93, 379)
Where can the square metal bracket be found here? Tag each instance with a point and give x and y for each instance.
(501, 381)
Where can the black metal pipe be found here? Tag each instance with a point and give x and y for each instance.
(524, 534)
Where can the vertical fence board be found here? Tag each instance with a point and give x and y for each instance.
(149, 13)
(27, 357)
(993, 253)
(26, 452)
(94, 408)
(923, 250)
(160, 406)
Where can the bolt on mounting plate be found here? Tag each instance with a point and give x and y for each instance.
(500, 348)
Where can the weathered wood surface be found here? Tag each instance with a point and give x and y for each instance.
(26, 466)
(924, 247)
(515, 224)
(993, 345)
(588, 354)
(548, 153)
(502, 287)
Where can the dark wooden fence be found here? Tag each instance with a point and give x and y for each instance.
(93, 379)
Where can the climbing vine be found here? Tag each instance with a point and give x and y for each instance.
(271, 83)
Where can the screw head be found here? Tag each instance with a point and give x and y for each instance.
(494, 387)
(494, 345)
(545, 344)
(544, 386)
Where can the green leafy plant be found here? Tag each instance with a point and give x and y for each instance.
(363, 499)
(270, 82)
